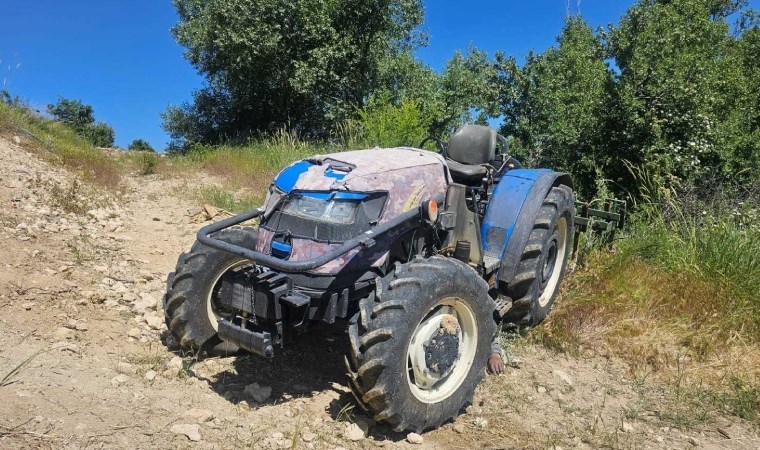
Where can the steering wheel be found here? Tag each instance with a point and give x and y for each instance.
(438, 143)
(504, 144)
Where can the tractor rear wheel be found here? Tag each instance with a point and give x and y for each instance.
(544, 260)
(420, 342)
(191, 308)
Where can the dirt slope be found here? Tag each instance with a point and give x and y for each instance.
(85, 362)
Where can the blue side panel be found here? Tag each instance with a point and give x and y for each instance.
(505, 206)
(287, 179)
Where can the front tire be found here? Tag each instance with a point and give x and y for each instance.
(420, 342)
(190, 309)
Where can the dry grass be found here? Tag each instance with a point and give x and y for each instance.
(687, 334)
(60, 145)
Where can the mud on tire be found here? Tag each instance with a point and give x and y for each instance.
(188, 302)
(381, 335)
(544, 259)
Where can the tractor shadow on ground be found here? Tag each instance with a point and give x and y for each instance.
(309, 364)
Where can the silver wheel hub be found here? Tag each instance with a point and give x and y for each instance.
(441, 350)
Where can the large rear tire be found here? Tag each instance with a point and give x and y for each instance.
(544, 259)
(420, 342)
(190, 306)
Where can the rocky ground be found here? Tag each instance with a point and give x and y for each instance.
(85, 360)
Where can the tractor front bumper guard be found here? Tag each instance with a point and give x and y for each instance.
(364, 240)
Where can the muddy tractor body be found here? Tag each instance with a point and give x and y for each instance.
(419, 254)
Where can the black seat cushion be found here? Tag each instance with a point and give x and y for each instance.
(468, 150)
(472, 145)
(466, 173)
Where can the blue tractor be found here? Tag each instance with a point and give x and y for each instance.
(419, 254)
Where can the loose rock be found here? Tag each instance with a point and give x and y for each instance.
(189, 430)
(119, 379)
(414, 438)
(134, 333)
(353, 432)
(563, 376)
(154, 321)
(258, 393)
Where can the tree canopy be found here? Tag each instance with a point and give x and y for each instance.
(81, 118)
(140, 145)
(305, 63)
(673, 89)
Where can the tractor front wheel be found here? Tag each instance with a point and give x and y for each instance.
(191, 306)
(420, 342)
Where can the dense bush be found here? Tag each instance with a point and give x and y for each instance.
(140, 145)
(387, 124)
(81, 118)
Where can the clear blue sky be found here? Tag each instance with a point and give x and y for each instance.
(120, 57)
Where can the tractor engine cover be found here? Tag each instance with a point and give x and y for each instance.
(318, 203)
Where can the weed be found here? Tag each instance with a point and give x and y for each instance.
(222, 198)
(10, 377)
(148, 163)
(61, 145)
(346, 413)
(71, 198)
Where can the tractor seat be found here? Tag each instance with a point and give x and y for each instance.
(469, 150)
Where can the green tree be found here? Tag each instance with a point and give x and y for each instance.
(303, 64)
(100, 134)
(389, 124)
(466, 90)
(670, 57)
(737, 112)
(73, 113)
(556, 107)
(81, 118)
(140, 145)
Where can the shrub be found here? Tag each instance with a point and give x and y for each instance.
(140, 145)
(388, 124)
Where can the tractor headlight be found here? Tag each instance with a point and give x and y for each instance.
(328, 210)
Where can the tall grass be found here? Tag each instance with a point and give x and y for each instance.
(59, 144)
(677, 296)
(245, 170)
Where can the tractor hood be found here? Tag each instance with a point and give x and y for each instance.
(386, 183)
(407, 175)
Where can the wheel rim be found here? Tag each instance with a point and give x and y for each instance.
(427, 385)
(554, 262)
(213, 310)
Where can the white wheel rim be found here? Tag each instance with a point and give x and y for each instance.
(559, 263)
(213, 316)
(429, 387)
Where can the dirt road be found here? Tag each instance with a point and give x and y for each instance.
(85, 360)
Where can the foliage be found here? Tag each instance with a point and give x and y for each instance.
(387, 124)
(307, 63)
(556, 106)
(61, 144)
(140, 145)
(149, 161)
(80, 117)
(100, 134)
(679, 100)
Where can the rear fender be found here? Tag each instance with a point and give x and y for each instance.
(511, 213)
